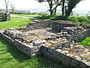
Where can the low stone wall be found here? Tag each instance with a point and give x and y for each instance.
(61, 58)
(87, 33)
(42, 24)
(27, 49)
(74, 31)
(58, 26)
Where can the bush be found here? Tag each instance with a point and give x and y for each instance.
(43, 17)
(73, 19)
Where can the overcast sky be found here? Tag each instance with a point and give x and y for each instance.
(32, 4)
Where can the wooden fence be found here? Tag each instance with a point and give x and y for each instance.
(4, 17)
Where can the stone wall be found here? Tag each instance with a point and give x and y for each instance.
(74, 31)
(58, 26)
(29, 48)
(22, 47)
(42, 24)
(61, 58)
(87, 33)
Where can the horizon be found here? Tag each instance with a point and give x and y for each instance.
(83, 6)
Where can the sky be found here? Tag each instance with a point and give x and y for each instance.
(32, 4)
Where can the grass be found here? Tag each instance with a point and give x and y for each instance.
(85, 42)
(14, 23)
(75, 19)
(79, 19)
(11, 57)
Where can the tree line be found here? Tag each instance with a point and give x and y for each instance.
(66, 6)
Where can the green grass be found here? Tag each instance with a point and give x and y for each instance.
(79, 19)
(14, 23)
(85, 42)
(11, 57)
(27, 15)
(75, 19)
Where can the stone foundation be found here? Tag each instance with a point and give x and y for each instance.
(53, 54)
(39, 39)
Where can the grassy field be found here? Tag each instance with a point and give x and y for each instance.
(11, 57)
(75, 19)
(14, 23)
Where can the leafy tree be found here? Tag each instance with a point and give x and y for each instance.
(53, 4)
(67, 6)
(70, 4)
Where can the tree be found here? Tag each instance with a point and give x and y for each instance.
(12, 8)
(6, 15)
(6, 5)
(53, 4)
(63, 7)
(68, 5)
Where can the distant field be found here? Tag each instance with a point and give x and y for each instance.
(14, 23)
(27, 15)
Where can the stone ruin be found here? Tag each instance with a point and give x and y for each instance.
(53, 39)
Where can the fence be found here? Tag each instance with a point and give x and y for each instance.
(4, 17)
